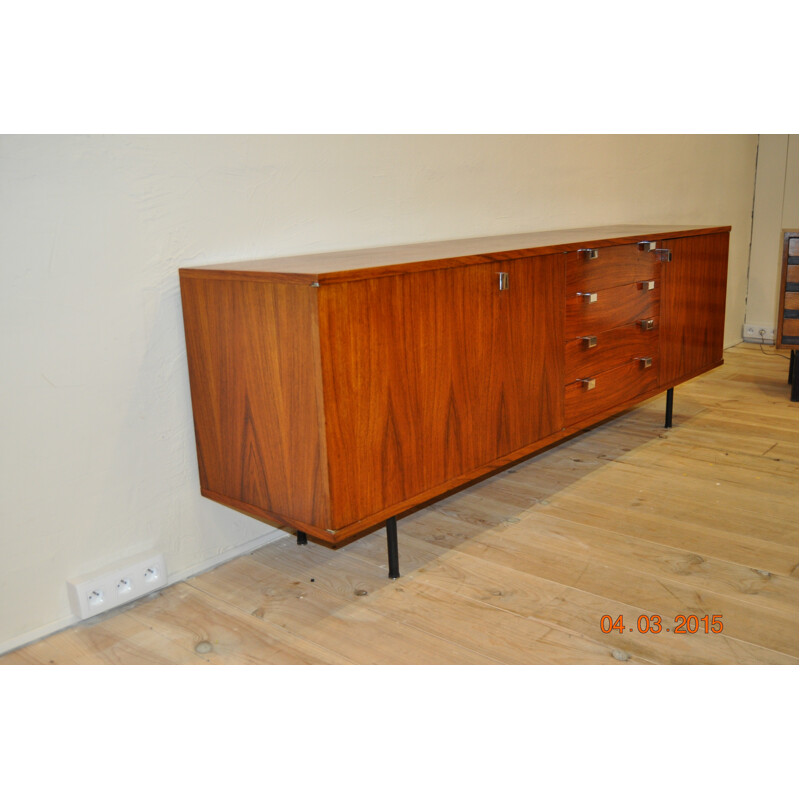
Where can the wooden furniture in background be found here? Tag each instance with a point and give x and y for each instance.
(788, 305)
(333, 392)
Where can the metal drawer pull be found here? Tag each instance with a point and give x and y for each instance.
(503, 280)
(647, 324)
(647, 285)
(647, 246)
(589, 297)
(589, 254)
(589, 341)
(646, 362)
(664, 254)
(588, 383)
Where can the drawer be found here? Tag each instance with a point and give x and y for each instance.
(609, 349)
(611, 388)
(613, 266)
(610, 308)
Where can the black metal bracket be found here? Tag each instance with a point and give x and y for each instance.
(391, 541)
(668, 417)
(301, 538)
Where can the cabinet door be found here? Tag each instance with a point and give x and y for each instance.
(693, 305)
(429, 375)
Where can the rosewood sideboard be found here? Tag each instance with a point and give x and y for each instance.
(333, 392)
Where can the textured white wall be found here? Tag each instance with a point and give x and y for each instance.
(774, 209)
(97, 459)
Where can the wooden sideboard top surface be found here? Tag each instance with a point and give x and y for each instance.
(376, 262)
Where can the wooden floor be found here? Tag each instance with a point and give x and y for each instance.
(626, 519)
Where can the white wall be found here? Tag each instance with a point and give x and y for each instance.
(791, 190)
(774, 209)
(98, 459)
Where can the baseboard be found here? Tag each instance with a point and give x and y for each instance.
(220, 558)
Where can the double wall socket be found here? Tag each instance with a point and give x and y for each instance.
(752, 333)
(103, 590)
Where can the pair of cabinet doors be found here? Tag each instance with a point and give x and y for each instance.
(432, 374)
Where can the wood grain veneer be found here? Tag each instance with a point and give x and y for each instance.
(693, 305)
(429, 375)
(254, 374)
(333, 391)
(613, 266)
(613, 347)
(619, 305)
(401, 259)
(612, 388)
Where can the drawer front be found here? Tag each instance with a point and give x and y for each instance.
(616, 386)
(610, 308)
(614, 266)
(608, 349)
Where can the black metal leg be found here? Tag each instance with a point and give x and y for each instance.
(668, 418)
(791, 366)
(391, 541)
(301, 538)
(795, 371)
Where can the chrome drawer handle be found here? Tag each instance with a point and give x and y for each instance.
(589, 297)
(587, 383)
(647, 286)
(645, 361)
(647, 324)
(647, 246)
(503, 281)
(589, 341)
(589, 253)
(664, 254)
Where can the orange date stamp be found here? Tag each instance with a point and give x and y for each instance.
(683, 623)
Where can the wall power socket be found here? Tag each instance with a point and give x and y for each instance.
(752, 333)
(110, 588)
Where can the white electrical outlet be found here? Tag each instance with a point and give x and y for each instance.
(106, 589)
(759, 333)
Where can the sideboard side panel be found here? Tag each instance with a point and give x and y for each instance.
(254, 371)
